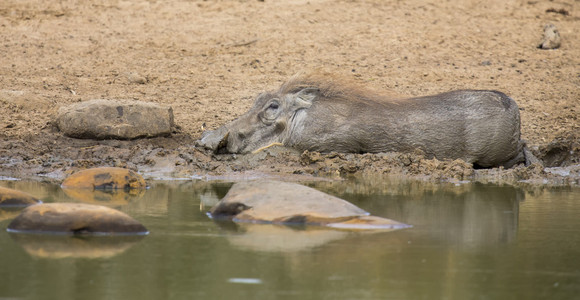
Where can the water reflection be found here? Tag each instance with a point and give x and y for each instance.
(468, 241)
(278, 238)
(9, 213)
(470, 214)
(110, 198)
(53, 246)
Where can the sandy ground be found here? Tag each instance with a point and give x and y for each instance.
(209, 59)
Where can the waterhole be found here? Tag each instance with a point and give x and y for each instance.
(468, 241)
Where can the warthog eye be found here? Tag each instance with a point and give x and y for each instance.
(271, 111)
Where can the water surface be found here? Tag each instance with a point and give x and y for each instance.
(469, 241)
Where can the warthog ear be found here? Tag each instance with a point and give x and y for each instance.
(304, 98)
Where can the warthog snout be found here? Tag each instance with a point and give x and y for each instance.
(264, 124)
(322, 113)
(214, 139)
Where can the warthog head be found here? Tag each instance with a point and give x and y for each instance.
(270, 120)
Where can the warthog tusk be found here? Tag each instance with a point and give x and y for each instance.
(266, 147)
(223, 142)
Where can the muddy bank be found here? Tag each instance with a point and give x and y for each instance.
(52, 157)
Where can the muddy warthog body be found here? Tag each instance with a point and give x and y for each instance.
(325, 114)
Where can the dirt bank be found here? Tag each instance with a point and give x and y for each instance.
(208, 60)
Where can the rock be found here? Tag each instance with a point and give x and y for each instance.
(135, 78)
(105, 178)
(551, 39)
(75, 218)
(278, 202)
(10, 197)
(115, 119)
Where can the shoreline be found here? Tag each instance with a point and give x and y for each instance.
(52, 157)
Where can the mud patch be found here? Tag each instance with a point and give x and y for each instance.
(52, 157)
(561, 152)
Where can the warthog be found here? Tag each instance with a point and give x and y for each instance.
(323, 113)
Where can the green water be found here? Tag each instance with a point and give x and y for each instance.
(470, 241)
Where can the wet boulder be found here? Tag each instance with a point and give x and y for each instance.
(275, 202)
(105, 178)
(115, 119)
(12, 198)
(75, 218)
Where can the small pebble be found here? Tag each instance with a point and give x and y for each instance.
(551, 39)
(135, 78)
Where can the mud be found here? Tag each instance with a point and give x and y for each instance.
(176, 157)
(209, 59)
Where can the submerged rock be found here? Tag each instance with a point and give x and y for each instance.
(75, 218)
(11, 198)
(115, 119)
(105, 178)
(278, 202)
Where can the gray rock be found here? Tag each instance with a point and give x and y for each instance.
(276, 202)
(115, 119)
